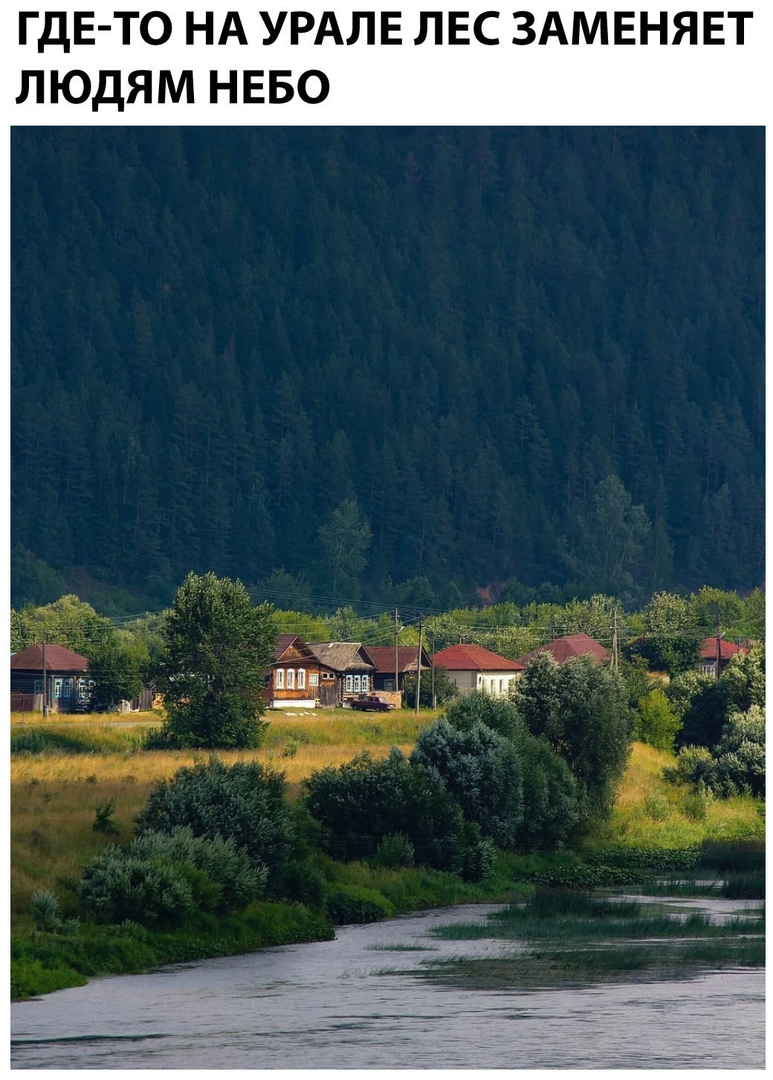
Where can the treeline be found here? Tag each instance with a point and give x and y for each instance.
(505, 358)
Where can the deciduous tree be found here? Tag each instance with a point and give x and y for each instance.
(217, 650)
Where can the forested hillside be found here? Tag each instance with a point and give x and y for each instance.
(220, 335)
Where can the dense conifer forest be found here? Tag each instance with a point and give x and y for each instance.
(477, 359)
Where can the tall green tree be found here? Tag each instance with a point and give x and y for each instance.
(211, 671)
(581, 709)
(345, 540)
(611, 539)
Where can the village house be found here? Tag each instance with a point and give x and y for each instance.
(67, 687)
(393, 664)
(717, 648)
(295, 675)
(346, 671)
(568, 648)
(471, 667)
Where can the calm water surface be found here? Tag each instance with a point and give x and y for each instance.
(340, 1005)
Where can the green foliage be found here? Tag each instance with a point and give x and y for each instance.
(610, 540)
(481, 771)
(580, 709)
(734, 766)
(356, 904)
(671, 639)
(444, 689)
(214, 473)
(656, 722)
(116, 671)
(345, 539)
(475, 855)
(394, 851)
(217, 649)
(103, 818)
(32, 580)
(550, 804)
(499, 714)
(166, 878)
(243, 802)
(707, 704)
(364, 801)
(46, 911)
(67, 621)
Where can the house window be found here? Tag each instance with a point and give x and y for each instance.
(84, 688)
(301, 678)
(279, 679)
(290, 678)
(57, 688)
(38, 686)
(67, 688)
(313, 679)
(365, 682)
(349, 683)
(357, 682)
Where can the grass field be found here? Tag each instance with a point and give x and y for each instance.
(55, 794)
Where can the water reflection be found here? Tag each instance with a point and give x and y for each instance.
(340, 1005)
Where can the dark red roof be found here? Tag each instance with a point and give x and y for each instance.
(57, 659)
(473, 658)
(569, 647)
(727, 650)
(383, 656)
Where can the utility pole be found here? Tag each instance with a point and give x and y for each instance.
(397, 665)
(418, 663)
(719, 648)
(45, 680)
(432, 668)
(615, 652)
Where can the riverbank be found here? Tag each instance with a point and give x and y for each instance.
(75, 773)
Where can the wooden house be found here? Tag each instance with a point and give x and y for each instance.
(346, 671)
(65, 681)
(471, 668)
(295, 675)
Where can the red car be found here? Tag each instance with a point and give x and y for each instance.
(372, 703)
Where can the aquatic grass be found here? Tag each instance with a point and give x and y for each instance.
(544, 968)
(402, 948)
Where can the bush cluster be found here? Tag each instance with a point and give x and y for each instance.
(165, 878)
(734, 766)
(243, 802)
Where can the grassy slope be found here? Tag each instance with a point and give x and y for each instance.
(54, 796)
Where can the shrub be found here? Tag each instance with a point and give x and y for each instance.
(394, 851)
(550, 805)
(657, 723)
(357, 904)
(477, 708)
(243, 802)
(475, 855)
(363, 801)
(164, 878)
(480, 769)
(46, 912)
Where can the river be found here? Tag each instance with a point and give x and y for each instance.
(352, 1003)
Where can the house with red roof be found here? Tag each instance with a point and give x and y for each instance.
(471, 667)
(568, 648)
(393, 664)
(717, 647)
(51, 669)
